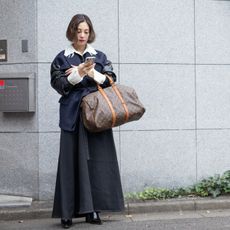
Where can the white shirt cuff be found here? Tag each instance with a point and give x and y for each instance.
(98, 77)
(74, 78)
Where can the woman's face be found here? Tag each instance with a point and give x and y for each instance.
(82, 34)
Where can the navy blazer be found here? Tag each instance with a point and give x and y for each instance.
(69, 112)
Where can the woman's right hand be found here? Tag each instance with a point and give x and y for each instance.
(71, 70)
(82, 69)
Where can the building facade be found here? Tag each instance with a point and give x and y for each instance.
(176, 54)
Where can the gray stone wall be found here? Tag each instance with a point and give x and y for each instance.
(174, 53)
(19, 131)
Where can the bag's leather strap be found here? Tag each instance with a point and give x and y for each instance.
(114, 117)
(114, 87)
(120, 97)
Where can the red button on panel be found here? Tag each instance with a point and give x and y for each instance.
(2, 82)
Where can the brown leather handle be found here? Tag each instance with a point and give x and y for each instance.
(120, 97)
(114, 117)
(114, 87)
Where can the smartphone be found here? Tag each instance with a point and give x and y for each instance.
(90, 59)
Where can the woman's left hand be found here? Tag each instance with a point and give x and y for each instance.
(91, 73)
(85, 68)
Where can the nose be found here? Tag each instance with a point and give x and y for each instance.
(81, 35)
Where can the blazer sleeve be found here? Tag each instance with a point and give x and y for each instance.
(58, 78)
(108, 69)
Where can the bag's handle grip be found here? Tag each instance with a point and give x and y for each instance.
(114, 117)
(119, 96)
(114, 87)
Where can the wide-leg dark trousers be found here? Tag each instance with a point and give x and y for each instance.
(88, 176)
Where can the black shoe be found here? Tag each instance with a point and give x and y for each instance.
(66, 223)
(93, 218)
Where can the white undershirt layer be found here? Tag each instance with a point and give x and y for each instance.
(74, 78)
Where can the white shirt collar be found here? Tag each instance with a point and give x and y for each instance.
(70, 50)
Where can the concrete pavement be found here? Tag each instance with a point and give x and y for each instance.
(183, 220)
(26, 209)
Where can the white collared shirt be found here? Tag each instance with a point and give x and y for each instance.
(74, 78)
(70, 50)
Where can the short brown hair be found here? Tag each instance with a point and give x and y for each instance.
(73, 26)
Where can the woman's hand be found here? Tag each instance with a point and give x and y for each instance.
(71, 70)
(83, 69)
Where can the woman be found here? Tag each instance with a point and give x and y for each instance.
(88, 179)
